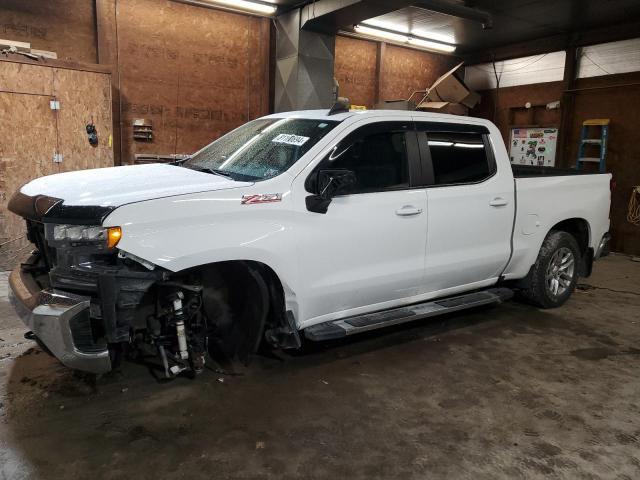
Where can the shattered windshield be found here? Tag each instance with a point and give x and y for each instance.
(260, 149)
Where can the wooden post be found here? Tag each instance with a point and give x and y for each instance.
(265, 53)
(382, 46)
(566, 104)
(107, 35)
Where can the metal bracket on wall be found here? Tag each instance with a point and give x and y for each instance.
(57, 157)
(54, 104)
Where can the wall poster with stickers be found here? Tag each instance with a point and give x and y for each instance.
(533, 146)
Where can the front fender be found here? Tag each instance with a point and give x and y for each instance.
(188, 231)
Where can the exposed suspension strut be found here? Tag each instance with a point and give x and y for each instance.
(182, 332)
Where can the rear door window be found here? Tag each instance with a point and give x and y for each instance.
(454, 156)
(458, 157)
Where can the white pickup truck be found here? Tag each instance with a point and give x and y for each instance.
(316, 224)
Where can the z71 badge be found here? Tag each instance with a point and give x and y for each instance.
(261, 198)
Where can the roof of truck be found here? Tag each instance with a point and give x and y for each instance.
(324, 115)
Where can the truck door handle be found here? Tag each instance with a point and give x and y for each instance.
(408, 210)
(498, 202)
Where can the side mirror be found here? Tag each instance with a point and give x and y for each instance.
(330, 183)
(335, 182)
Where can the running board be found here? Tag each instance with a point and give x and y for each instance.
(371, 321)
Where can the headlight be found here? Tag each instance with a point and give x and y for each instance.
(109, 236)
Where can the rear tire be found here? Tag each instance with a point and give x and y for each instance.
(555, 273)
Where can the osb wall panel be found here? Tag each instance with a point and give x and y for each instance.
(355, 70)
(619, 104)
(536, 94)
(26, 152)
(623, 157)
(24, 78)
(66, 27)
(405, 70)
(84, 97)
(107, 38)
(31, 133)
(196, 73)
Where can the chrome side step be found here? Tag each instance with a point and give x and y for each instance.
(371, 321)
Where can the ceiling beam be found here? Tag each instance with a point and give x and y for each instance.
(329, 16)
(553, 43)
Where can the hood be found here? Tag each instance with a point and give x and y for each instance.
(91, 194)
(116, 186)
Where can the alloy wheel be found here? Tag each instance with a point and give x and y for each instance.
(560, 272)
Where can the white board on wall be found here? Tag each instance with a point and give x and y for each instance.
(548, 67)
(533, 146)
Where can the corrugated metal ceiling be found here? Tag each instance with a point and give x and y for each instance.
(514, 21)
(418, 21)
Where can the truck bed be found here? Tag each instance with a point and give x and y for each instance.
(547, 196)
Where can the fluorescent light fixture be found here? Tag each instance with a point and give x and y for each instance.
(440, 37)
(399, 37)
(247, 5)
(395, 27)
(375, 32)
(419, 42)
(403, 29)
(438, 143)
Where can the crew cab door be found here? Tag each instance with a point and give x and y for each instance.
(367, 251)
(471, 207)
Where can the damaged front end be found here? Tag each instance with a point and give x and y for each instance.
(90, 304)
(79, 296)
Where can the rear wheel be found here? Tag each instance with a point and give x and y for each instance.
(555, 273)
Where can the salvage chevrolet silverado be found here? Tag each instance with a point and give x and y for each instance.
(315, 224)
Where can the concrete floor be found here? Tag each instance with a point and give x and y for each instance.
(504, 392)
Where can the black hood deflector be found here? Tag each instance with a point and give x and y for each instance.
(42, 208)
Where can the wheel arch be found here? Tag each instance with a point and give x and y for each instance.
(273, 324)
(579, 228)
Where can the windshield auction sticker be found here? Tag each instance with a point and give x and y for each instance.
(290, 139)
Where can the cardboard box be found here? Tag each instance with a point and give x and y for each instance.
(21, 46)
(444, 107)
(44, 53)
(449, 89)
(446, 95)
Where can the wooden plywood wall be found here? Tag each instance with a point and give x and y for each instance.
(66, 27)
(355, 70)
(195, 73)
(613, 102)
(509, 97)
(406, 70)
(32, 132)
(367, 73)
(19, 165)
(620, 105)
(84, 97)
